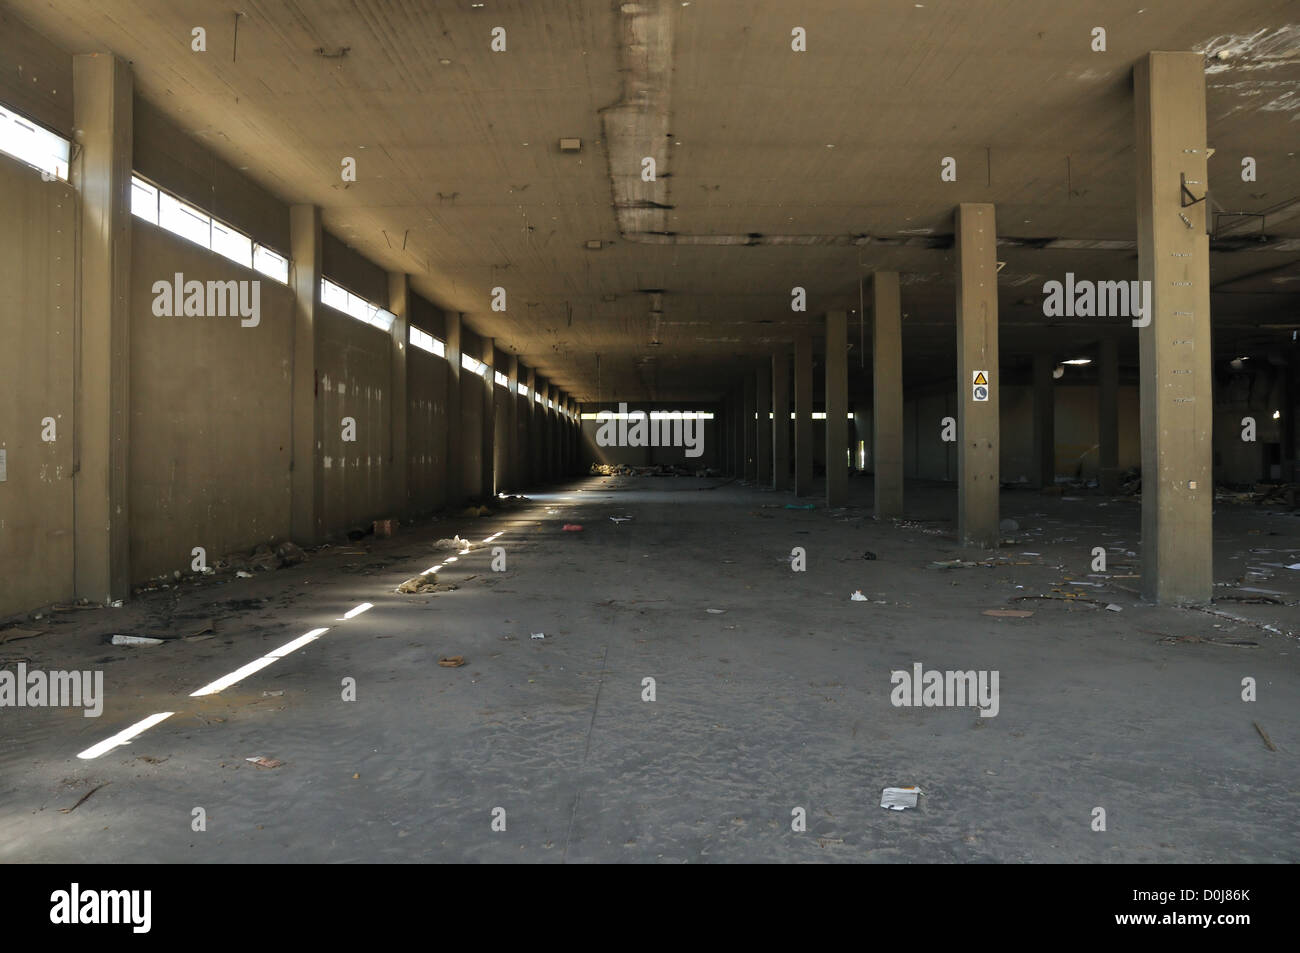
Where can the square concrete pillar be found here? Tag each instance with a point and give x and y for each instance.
(749, 419)
(455, 423)
(781, 476)
(1176, 380)
(511, 436)
(532, 465)
(977, 352)
(399, 305)
(307, 486)
(1044, 420)
(1108, 415)
(763, 407)
(837, 408)
(803, 411)
(488, 468)
(887, 393)
(101, 173)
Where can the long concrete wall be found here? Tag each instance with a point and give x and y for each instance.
(210, 427)
(38, 227)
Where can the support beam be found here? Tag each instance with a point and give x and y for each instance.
(102, 98)
(511, 436)
(455, 465)
(399, 304)
(803, 411)
(763, 407)
(307, 494)
(1108, 415)
(977, 350)
(487, 459)
(781, 477)
(532, 469)
(837, 408)
(750, 424)
(1176, 380)
(1044, 420)
(887, 394)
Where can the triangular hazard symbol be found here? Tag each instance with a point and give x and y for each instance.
(980, 378)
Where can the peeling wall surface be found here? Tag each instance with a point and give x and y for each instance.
(38, 222)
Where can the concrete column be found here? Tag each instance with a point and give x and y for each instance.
(307, 487)
(1108, 415)
(1176, 396)
(1044, 420)
(781, 420)
(763, 407)
(887, 394)
(531, 469)
(511, 436)
(750, 425)
(399, 303)
(837, 408)
(803, 411)
(488, 469)
(455, 423)
(977, 350)
(102, 99)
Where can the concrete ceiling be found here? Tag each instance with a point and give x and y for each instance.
(775, 168)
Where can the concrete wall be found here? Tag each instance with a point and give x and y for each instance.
(210, 413)
(38, 308)
(355, 381)
(471, 430)
(426, 428)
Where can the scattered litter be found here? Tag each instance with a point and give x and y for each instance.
(898, 799)
(244, 575)
(455, 543)
(199, 638)
(416, 584)
(1031, 554)
(868, 555)
(135, 640)
(1113, 608)
(150, 759)
(452, 661)
(1294, 566)
(952, 564)
(858, 596)
(1262, 733)
(538, 635)
(716, 611)
(476, 511)
(85, 797)
(13, 635)
(201, 629)
(1183, 639)
(572, 528)
(619, 519)
(356, 777)
(804, 506)
(1009, 613)
(264, 762)
(275, 694)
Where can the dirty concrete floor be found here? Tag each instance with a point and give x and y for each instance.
(781, 700)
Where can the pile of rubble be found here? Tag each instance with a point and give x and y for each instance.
(658, 470)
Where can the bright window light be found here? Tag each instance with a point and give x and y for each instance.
(28, 142)
(181, 218)
(523, 389)
(427, 342)
(473, 366)
(270, 264)
(340, 299)
(501, 379)
(1079, 361)
(537, 396)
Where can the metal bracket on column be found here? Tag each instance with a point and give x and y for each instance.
(1187, 193)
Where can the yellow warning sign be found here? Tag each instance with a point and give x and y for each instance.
(980, 378)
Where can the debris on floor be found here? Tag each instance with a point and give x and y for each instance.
(898, 799)
(455, 543)
(1262, 733)
(1110, 606)
(953, 564)
(572, 528)
(799, 506)
(135, 640)
(476, 511)
(452, 661)
(85, 797)
(619, 519)
(858, 596)
(868, 555)
(265, 762)
(716, 611)
(538, 635)
(275, 694)
(1009, 613)
(14, 634)
(416, 584)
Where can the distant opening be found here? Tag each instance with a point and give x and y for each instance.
(30, 143)
(427, 342)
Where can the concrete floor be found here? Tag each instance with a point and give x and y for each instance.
(781, 700)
